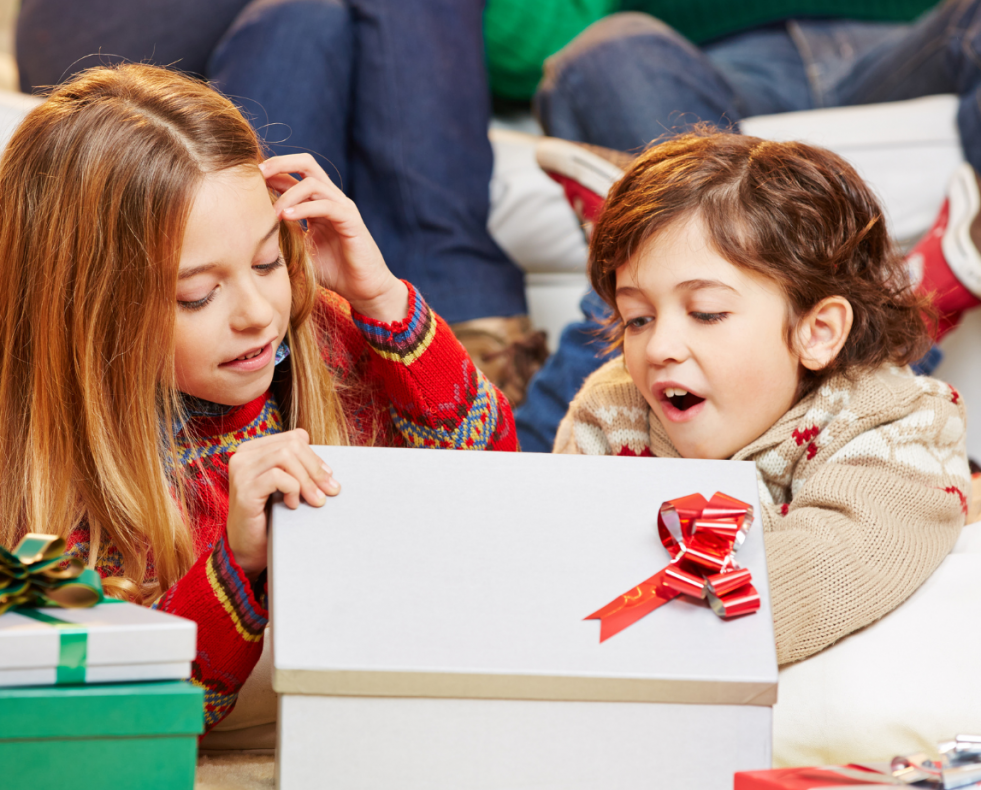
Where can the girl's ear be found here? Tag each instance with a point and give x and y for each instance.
(822, 332)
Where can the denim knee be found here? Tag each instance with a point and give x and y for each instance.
(621, 81)
(293, 17)
(617, 38)
(287, 64)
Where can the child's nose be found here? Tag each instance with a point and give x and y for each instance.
(666, 345)
(252, 310)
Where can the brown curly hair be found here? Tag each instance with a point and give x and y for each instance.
(794, 213)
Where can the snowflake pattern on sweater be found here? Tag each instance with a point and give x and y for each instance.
(407, 384)
(863, 486)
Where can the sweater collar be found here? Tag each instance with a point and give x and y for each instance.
(197, 408)
(810, 408)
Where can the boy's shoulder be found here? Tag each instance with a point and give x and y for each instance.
(884, 414)
(609, 416)
(876, 397)
(890, 393)
(609, 387)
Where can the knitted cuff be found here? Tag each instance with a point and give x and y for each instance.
(232, 587)
(402, 341)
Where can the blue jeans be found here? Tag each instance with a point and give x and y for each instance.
(57, 38)
(392, 96)
(629, 79)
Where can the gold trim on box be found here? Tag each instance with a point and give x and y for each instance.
(358, 683)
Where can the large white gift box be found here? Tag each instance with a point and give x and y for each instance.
(428, 629)
(110, 642)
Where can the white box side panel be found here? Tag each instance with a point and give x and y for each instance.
(122, 673)
(352, 743)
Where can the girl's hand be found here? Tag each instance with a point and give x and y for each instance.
(347, 259)
(282, 462)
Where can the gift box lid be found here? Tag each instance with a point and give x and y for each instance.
(115, 633)
(455, 574)
(110, 710)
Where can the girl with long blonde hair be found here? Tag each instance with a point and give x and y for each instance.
(167, 355)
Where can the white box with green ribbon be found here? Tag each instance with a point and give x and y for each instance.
(57, 628)
(108, 643)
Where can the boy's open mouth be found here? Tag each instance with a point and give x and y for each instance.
(681, 399)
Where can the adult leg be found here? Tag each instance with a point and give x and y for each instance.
(628, 79)
(57, 38)
(289, 65)
(420, 157)
(940, 53)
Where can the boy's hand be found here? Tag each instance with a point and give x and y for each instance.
(346, 257)
(282, 462)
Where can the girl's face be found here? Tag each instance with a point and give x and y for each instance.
(705, 341)
(233, 291)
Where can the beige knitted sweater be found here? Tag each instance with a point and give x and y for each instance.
(863, 486)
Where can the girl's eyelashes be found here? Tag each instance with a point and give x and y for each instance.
(262, 268)
(198, 303)
(265, 268)
(709, 318)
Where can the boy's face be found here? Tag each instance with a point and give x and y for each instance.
(705, 342)
(233, 292)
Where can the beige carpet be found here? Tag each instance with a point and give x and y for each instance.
(236, 771)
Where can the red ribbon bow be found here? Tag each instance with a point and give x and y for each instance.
(702, 539)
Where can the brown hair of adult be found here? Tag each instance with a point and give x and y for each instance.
(97, 186)
(793, 213)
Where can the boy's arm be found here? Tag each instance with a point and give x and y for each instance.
(609, 416)
(866, 527)
(565, 438)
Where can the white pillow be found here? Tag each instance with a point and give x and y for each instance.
(898, 686)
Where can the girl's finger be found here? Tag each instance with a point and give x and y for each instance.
(283, 482)
(307, 189)
(251, 458)
(346, 222)
(288, 468)
(304, 164)
(318, 470)
(282, 182)
(309, 474)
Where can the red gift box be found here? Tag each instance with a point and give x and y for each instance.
(809, 778)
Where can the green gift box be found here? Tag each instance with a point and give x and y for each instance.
(120, 735)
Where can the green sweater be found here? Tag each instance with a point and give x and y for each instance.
(521, 34)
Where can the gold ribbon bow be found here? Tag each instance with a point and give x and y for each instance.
(37, 573)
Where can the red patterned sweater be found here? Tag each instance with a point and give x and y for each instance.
(408, 384)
